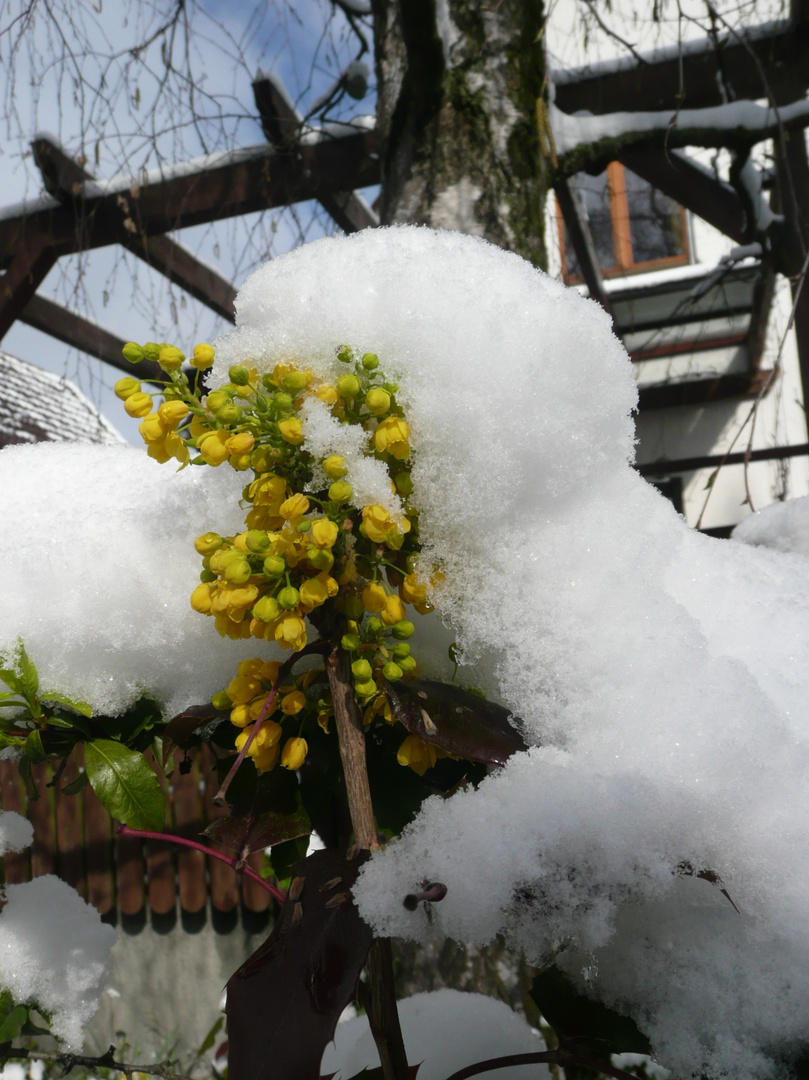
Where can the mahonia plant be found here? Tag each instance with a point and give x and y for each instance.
(310, 550)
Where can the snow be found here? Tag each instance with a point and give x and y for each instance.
(53, 946)
(97, 565)
(446, 1030)
(783, 526)
(660, 675)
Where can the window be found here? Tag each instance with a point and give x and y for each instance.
(634, 226)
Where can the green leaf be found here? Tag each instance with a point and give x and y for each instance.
(210, 1038)
(29, 679)
(125, 784)
(33, 749)
(580, 1022)
(13, 1023)
(72, 703)
(77, 785)
(11, 680)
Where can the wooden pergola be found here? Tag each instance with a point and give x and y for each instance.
(80, 213)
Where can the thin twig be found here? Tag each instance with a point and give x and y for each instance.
(145, 834)
(548, 1057)
(105, 1061)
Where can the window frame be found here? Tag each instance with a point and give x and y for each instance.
(625, 264)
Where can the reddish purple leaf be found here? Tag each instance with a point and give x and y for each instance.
(284, 1002)
(458, 721)
(183, 725)
(272, 814)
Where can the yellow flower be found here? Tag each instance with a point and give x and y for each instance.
(170, 358)
(240, 443)
(267, 735)
(269, 671)
(334, 466)
(420, 756)
(290, 632)
(208, 543)
(243, 689)
(266, 759)
(374, 597)
(294, 753)
(203, 356)
(324, 533)
(177, 447)
(291, 430)
(394, 611)
(293, 703)
(125, 388)
(268, 490)
(413, 590)
(172, 413)
(294, 507)
(138, 405)
(391, 437)
(326, 393)
(313, 592)
(201, 599)
(380, 706)
(212, 447)
(152, 429)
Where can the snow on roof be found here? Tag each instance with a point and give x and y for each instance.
(39, 406)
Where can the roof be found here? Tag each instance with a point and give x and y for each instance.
(39, 406)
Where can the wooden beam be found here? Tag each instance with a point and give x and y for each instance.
(713, 461)
(689, 76)
(65, 179)
(578, 228)
(283, 125)
(196, 193)
(702, 391)
(80, 333)
(691, 185)
(27, 270)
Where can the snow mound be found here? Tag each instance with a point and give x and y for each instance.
(661, 676)
(97, 565)
(784, 526)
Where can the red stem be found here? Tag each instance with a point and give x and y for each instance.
(125, 830)
(286, 667)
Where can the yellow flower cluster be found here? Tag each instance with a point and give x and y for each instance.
(308, 557)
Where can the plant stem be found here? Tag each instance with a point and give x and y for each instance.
(124, 830)
(351, 737)
(383, 1015)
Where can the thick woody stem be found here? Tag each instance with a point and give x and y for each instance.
(381, 1001)
(351, 738)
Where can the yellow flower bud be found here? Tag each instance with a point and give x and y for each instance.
(341, 492)
(243, 689)
(294, 507)
(213, 447)
(240, 443)
(334, 466)
(152, 429)
(294, 381)
(241, 463)
(377, 401)
(266, 609)
(203, 356)
(293, 702)
(170, 358)
(172, 413)
(201, 599)
(265, 760)
(324, 533)
(391, 437)
(393, 612)
(294, 753)
(348, 386)
(138, 405)
(125, 388)
(291, 430)
(132, 352)
(268, 734)
(216, 399)
(374, 597)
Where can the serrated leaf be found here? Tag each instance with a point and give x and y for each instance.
(458, 721)
(13, 1023)
(11, 680)
(29, 678)
(580, 1022)
(273, 814)
(125, 784)
(284, 1002)
(72, 703)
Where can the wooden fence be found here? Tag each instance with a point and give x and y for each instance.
(126, 879)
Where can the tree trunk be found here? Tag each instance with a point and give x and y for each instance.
(460, 88)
